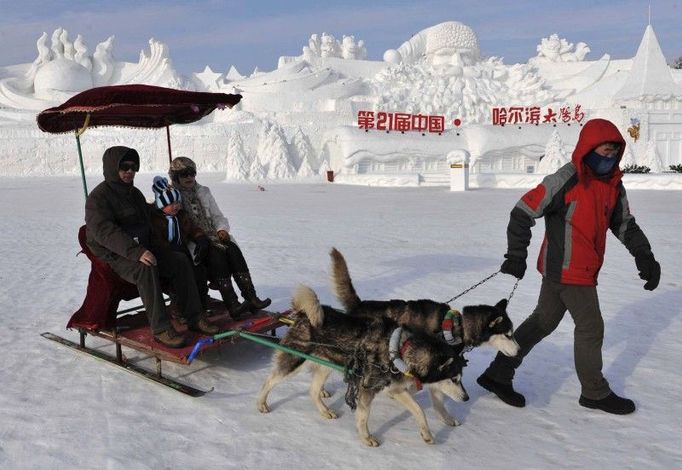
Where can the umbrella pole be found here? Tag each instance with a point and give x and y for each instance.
(170, 157)
(80, 159)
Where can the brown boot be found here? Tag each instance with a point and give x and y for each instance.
(203, 326)
(171, 338)
(245, 285)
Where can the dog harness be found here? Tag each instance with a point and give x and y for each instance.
(452, 328)
(395, 353)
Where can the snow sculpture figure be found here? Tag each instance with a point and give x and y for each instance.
(352, 50)
(440, 71)
(44, 56)
(329, 46)
(81, 55)
(446, 43)
(103, 62)
(651, 158)
(555, 49)
(555, 157)
(69, 51)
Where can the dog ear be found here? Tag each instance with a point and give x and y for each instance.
(502, 305)
(496, 321)
(445, 364)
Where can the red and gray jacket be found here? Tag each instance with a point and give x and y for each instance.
(578, 208)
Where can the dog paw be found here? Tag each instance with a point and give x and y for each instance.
(370, 441)
(329, 414)
(428, 438)
(263, 407)
(325, 394)
(450, 421)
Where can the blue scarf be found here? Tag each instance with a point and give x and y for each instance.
(173, 230)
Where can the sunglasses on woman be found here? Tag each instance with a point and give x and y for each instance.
(186, 173)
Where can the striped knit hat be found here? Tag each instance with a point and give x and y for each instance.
(164, 195)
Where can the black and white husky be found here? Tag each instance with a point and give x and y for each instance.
(384, 357)
(475, 325)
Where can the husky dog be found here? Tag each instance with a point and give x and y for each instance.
(476, 325)
(385, 357)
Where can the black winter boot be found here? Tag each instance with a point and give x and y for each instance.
(245, 284)
(612, 403)
(230, 298)
(504, 392)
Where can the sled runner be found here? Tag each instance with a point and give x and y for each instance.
(139, 106)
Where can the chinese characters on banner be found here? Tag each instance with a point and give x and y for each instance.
(402, 122)
(535, 115)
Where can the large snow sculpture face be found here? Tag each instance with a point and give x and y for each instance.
(449, 43)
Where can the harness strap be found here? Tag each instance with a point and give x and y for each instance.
(452, 328)
(395, 353)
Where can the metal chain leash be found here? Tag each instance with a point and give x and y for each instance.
(473, 287)
(511, 294)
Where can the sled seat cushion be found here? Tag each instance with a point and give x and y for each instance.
(104, 293)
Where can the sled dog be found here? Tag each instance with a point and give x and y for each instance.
(475, 325)
(384, 357)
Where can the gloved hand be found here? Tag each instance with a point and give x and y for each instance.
(514, 265)
(201, 249)
(223, 236)
(649, 269)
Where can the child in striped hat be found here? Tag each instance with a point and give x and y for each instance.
(173, 229)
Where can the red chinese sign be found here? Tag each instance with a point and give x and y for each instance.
(402, 122)
(535, 115)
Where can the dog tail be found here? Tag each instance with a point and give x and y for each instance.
(342, 285)
(305, 300)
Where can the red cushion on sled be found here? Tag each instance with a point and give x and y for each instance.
(105, 291)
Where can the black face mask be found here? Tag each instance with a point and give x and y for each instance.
(600, 165)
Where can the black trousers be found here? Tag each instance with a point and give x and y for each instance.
(174, 267)
(588, 335)
(225, 259)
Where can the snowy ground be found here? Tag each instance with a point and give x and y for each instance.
(60, 409)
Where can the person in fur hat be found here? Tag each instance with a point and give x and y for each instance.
(225, 259)
(172, 229)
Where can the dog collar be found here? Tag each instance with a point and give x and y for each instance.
(452, 328)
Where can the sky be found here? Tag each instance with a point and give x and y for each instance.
(61, 409)
(254, 33)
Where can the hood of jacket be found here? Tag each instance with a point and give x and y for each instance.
(594, 133)
(111, 159)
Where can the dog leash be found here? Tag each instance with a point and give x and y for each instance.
(511, 294)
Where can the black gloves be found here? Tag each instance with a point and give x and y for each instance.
(514, 265)
(649, 269)
(201, 250)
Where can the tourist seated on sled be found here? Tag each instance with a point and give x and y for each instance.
(173, 231)
(225, 259)
(118, 229)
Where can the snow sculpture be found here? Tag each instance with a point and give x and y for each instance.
(440, 72)
(651, 158)
(555, 157)
(352, 50)
(555, 49)
(103, 62)
(446, 43)
(273, 154)
(327, 45)
(237, 167)
(303, 153)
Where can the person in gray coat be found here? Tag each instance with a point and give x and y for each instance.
(118, 229)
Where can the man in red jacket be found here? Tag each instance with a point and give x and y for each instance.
(580, 202)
